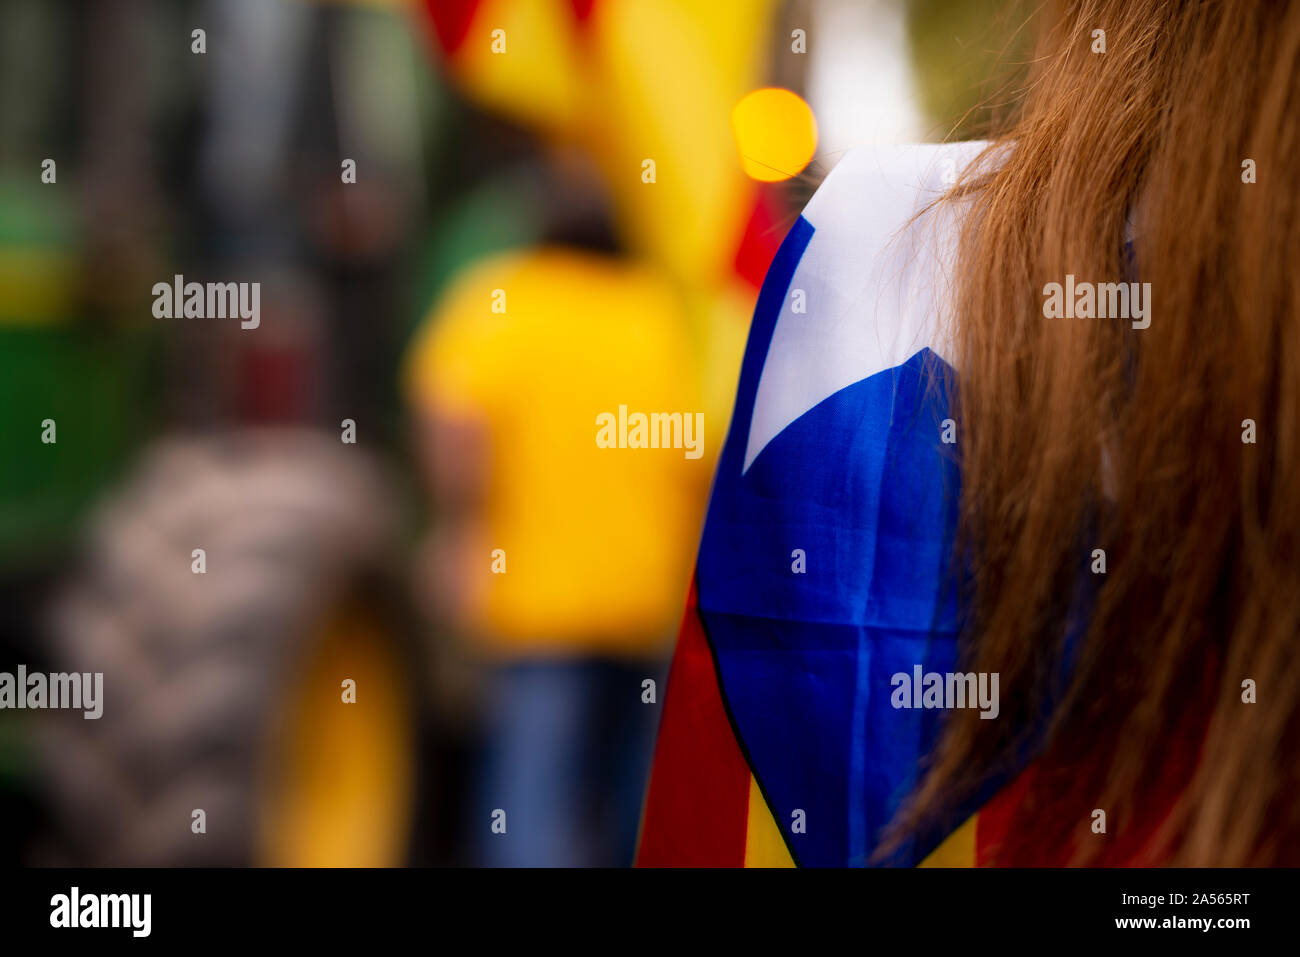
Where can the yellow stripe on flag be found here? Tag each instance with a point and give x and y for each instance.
(957, 850)
(764, 846)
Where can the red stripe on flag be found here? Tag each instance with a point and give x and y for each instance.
(1013, 827)
(761, 238)
(451, 20)
(995, 827)
(582, 8)
(697, 805)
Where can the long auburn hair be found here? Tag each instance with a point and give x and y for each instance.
(1083, 434)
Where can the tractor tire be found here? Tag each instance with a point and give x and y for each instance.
(199, 665)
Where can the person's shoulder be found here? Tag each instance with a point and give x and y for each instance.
(863, 278)
(869, 185)
(882, 234)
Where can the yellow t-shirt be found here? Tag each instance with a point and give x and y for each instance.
(539, 346)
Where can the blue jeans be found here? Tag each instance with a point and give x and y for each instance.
(567, 753)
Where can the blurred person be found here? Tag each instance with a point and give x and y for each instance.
(564, 560)
(1000, 563)
(300, 181)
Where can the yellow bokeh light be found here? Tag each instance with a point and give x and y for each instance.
(775, 132)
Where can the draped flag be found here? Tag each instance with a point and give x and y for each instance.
(825, 585)
(824, 568)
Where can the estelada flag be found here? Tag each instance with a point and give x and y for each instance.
(825, 570)
(824, 565)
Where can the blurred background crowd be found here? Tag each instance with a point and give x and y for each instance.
(504, 267)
